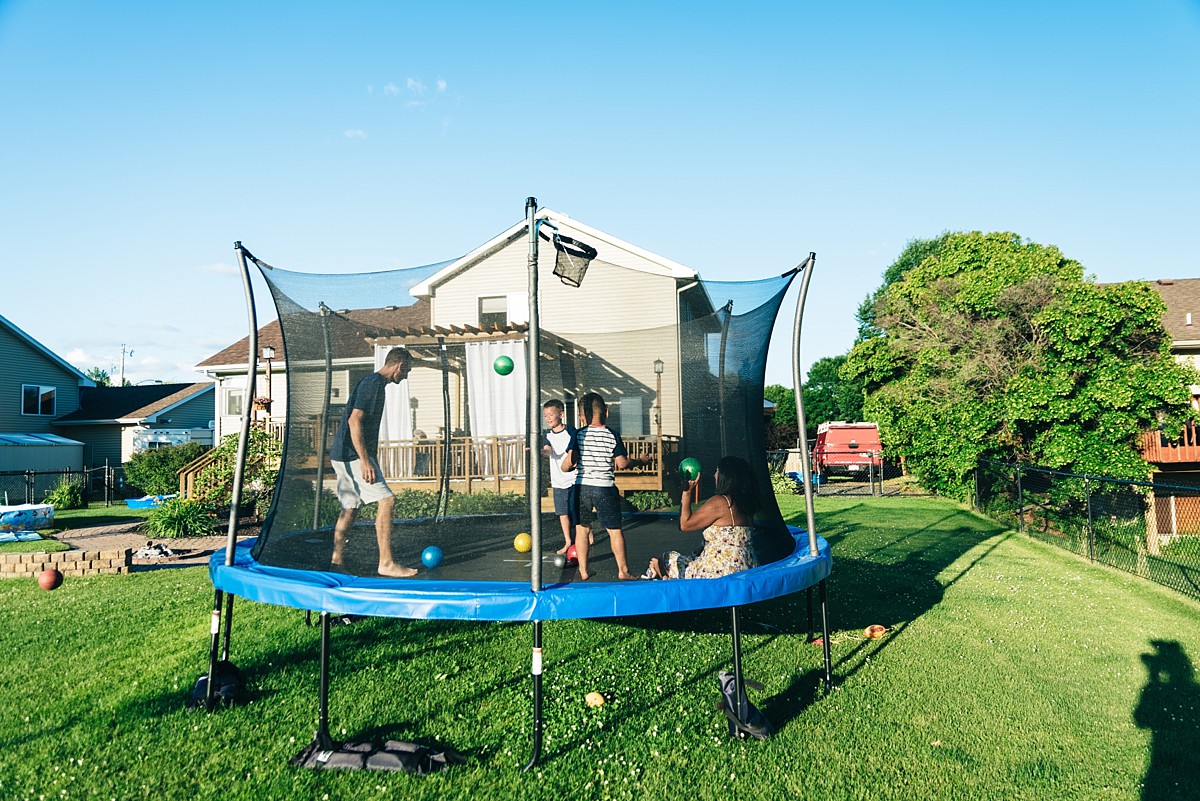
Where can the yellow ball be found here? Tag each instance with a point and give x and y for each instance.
(594, 699)
(523, 542)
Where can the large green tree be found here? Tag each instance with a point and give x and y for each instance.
(989, 345)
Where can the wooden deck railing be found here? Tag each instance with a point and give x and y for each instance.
(473, 463)
(1157, 449)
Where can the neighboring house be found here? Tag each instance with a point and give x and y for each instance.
(37, 386)
(476, 308)
(1180, 458)
(117, 422)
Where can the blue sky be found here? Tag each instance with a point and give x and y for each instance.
(139, 140)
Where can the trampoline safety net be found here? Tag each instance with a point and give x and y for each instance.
(679, 361)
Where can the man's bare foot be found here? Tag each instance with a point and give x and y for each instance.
(393, 570)
(584, 576)
(564, 549)
(627, 576)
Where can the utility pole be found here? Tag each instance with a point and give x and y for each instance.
(121, 380)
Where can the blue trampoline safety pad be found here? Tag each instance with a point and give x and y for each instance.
(342, 594)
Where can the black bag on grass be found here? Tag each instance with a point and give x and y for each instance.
(750, 722)
(392, 755)
(227, 686)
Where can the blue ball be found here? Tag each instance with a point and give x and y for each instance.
(431, 557)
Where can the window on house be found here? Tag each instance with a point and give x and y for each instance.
(37, 399)
(493, 310)
(234, 398)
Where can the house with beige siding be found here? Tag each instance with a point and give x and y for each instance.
(616, 334)
(37, 387)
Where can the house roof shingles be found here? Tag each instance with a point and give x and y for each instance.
(1182, 296)
(130, 403)
(349, 330)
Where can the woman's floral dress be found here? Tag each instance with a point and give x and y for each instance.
(727, 549)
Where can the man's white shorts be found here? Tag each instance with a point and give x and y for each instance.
(352, 491)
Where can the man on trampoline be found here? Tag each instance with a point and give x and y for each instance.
(359, 479)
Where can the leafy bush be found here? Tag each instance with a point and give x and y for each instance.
(67, 495)
(644, 501)
(410, 505)
(182, 517)
(484, 503)
(154, 471)
(263, 453)
(784, 485)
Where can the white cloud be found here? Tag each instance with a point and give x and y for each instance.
(416, 104)
(78, 356)
(150, 361)
(441, 85)
(219, 269)
(391, 89)
(415, 86)
(355, 133)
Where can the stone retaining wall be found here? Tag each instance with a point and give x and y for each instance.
(69, 563)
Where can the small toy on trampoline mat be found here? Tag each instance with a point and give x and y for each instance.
(572, 557)
(503, 365)
(523, 543)
(689, 468)
(431, 557)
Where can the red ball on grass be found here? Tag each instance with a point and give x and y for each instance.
(50, 579)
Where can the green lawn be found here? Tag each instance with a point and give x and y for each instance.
(1011, 670)
(96, 514)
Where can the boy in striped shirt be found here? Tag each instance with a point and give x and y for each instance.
(595, 453)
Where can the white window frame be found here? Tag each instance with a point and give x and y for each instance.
(230, 394)
(41, 391)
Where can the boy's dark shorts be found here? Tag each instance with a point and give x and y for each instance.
(564, 501)
(607, 502)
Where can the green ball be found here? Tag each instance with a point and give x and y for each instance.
(689, 468)
(503, 365)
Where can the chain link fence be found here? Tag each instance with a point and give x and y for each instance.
(1149, 529)
(849, 473)
(32, 486)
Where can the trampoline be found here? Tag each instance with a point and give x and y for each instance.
(690, 387)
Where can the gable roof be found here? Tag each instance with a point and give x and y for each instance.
(84, 381)
(1182, 296)
(348, 328)
(131, 404)
(608, 249)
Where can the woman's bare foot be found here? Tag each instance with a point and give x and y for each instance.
(393, 570)
(656, 567)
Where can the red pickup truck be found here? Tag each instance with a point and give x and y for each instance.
(847, 448)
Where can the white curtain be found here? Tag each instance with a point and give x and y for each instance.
(396, 422)
(497, 401)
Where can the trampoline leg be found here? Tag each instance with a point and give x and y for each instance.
(743, 714)
(825, 637)
(537, 694)
(215, 633)
(323, 737)
(809, 597)
(228, 626)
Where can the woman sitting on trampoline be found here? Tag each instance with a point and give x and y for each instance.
(727, 522)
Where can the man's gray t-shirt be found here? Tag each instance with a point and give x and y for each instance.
(368, 396)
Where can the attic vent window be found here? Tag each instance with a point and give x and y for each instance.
(1189, 319)
(493, 310)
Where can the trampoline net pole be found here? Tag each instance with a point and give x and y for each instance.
(801, 422)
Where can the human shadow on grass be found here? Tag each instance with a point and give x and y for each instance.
(1169, 708)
